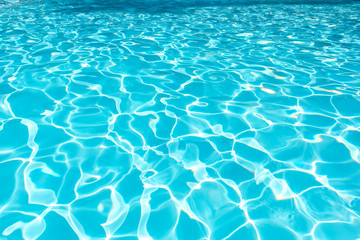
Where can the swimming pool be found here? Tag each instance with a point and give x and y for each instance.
(179, 120)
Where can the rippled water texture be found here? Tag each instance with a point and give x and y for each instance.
(162, 121)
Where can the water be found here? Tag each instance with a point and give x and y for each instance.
(179, 120)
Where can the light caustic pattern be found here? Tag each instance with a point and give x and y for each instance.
(175, 122)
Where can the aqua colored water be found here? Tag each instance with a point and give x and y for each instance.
(179, 120)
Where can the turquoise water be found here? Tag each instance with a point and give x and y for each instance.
(179, 120)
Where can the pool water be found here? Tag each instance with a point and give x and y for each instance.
(179, 120)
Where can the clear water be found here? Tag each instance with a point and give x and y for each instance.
(185, 120)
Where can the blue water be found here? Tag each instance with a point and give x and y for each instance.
(179, 120)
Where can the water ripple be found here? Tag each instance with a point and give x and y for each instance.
(226, 121)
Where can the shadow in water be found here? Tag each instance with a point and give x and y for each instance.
(161, 6)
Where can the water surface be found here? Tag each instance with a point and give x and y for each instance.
(179, 120)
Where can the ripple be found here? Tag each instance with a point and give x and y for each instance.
(179, 120)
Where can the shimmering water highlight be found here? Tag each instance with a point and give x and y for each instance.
(167, 121)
